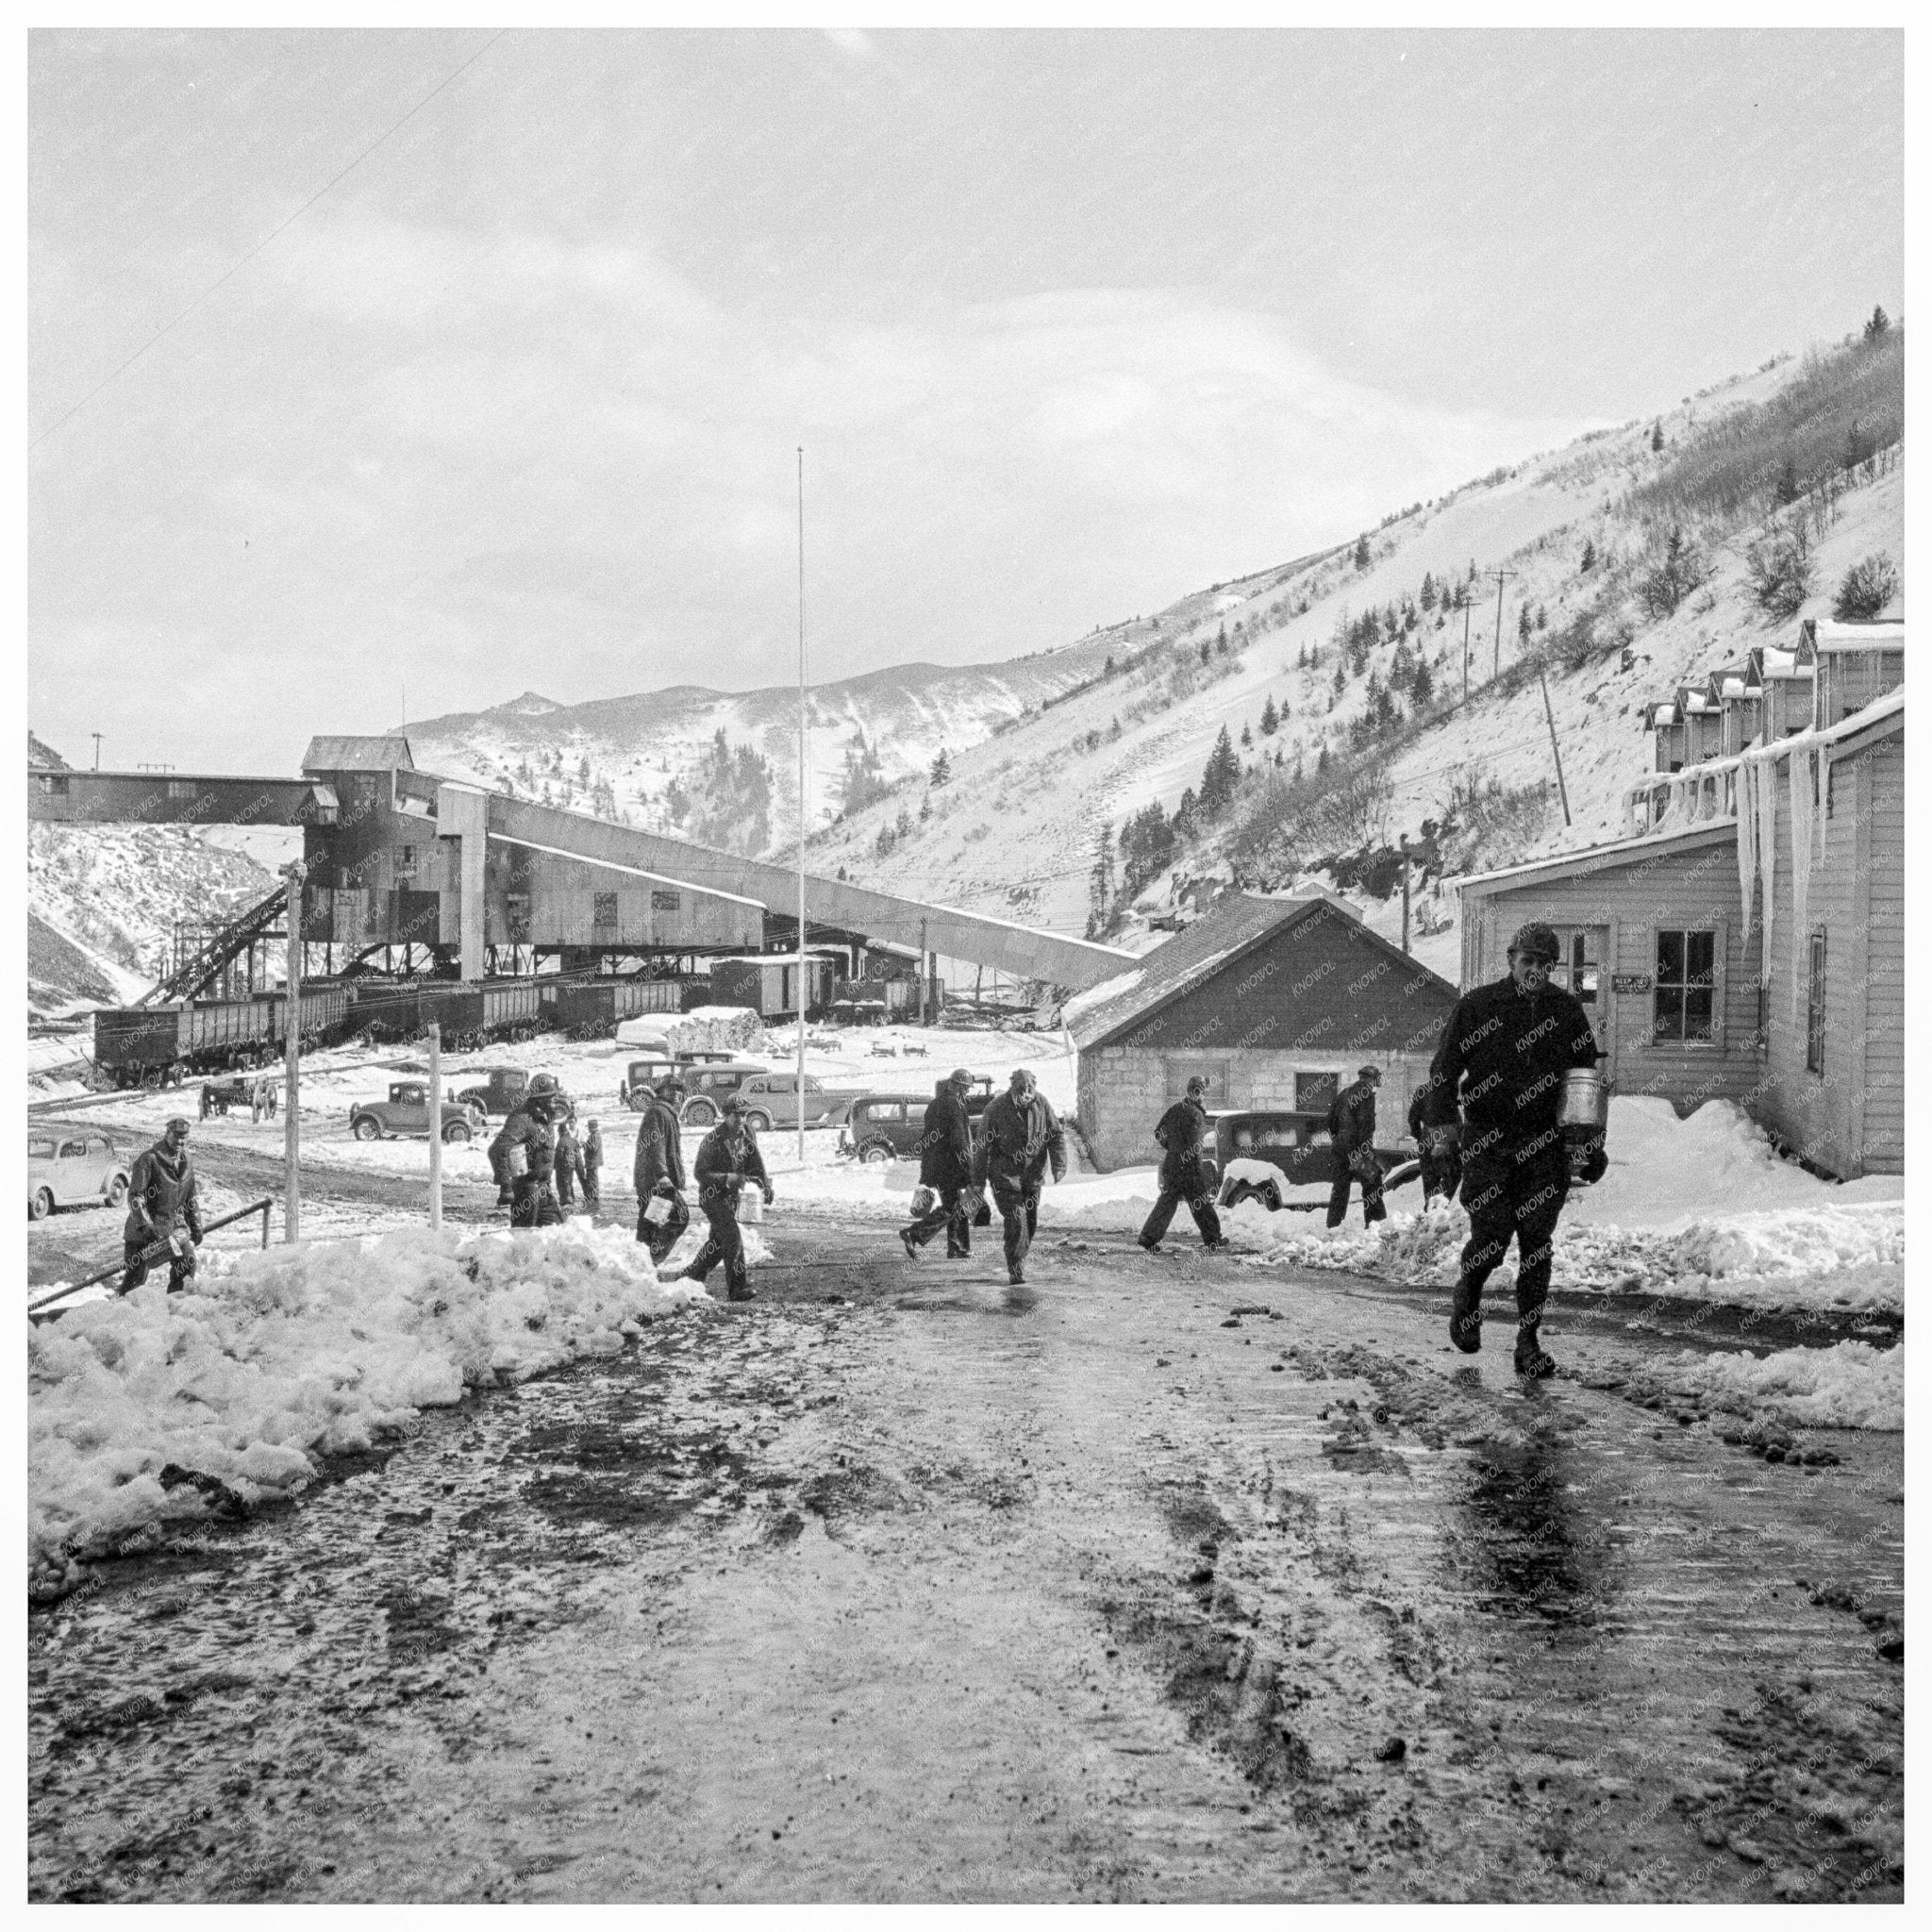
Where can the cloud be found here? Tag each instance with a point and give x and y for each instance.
(532, 461)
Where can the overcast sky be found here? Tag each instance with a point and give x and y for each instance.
(1069, 326)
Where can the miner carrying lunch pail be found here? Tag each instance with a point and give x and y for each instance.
(1515, 1079)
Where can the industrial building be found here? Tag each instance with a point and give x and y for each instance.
(416, 873)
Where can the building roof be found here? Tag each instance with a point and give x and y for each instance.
(635, 871)
(357, 755)
(1588, 858)
(1887, 634)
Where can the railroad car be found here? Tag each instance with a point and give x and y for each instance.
(592, 1009)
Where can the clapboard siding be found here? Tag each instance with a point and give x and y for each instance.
(1692, 887)
(1885, 990)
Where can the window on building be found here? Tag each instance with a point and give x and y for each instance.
(181, 787)
(1578, 967)
(54, 784)
(1179, 1072)
(604, 909)
(405, 861)
(1814, 1009)
(662, 901)
(1686, 986)
(1316, 1092)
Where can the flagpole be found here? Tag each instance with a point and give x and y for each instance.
(801, 807)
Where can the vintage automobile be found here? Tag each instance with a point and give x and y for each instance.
(501, 1091)
(707, 1084)
(72, 1168)
(887, 1126)
(770, 1101)
(406, 1111)
(1295, 1145)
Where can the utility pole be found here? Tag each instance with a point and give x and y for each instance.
(1462, 598)
(1496, 666)
(800, 1094)
(292, 1061)
(434, 1125)
(1405, 891)
(1550, 718)
(96, 736)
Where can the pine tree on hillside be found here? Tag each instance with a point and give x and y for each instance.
(1422, 687)
(942, 768)
(1523, 622)
(1657, 434)
(1880, 327)
(1340, 677)
(1321, 762)
(1428, 591)
(1361, 551)
(1218, 778)
(1247, 739)
(1588, 562)
(1271, 719)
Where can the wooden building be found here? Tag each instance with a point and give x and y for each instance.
(1749, 945)
(1275, 1002)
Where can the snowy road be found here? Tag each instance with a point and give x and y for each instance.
(893, 1586)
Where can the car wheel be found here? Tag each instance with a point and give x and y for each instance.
(700, 1113)
(366, 1129)
(1271, 1198)
(758, 1121)
(455, 1134)
(875, 1152)
(117, 1191)
(40, 1204)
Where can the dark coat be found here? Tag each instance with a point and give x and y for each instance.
(593, 1148)
(536, 1137)
(568, 1158)
(945, 1141)
(1017, 1142)
(721, 1168)
(1503, 1055)
(661, 1151)
(1352, 1118)
(1179, 1131)
(162, 1195)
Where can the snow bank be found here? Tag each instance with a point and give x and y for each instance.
(1848, 1259)
(287, 1353)
(1849, 1386)
(1667, 1173)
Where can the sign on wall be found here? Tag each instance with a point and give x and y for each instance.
(1631, 982)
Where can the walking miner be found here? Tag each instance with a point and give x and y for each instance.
(657, 1170)
(1020, 1136)
(527, 1144)
(593, 1162)
(945, 1166)
(726, 1158)
(568, 1160)
(1182, 1177)
(163, 1211)
(1352, 1131)
(1501, 1060)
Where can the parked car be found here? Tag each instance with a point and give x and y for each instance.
(1296, 1146)
(705, 1086)
(72, 1169)
(640, 1079)
(406, 1111)
(883, 1126)
(501, 1091)
(771, 1100)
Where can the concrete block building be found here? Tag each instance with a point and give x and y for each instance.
(1275, 1002)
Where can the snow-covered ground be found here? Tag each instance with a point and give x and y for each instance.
(317, 1348)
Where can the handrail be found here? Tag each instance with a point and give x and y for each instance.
(45, 1309)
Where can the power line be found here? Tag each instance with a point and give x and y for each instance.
(237, 267)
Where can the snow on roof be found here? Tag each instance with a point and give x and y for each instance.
(1828, 634)
(1599, 858)
(1235, 922)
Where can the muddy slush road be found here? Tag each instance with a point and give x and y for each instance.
(896, 1584)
